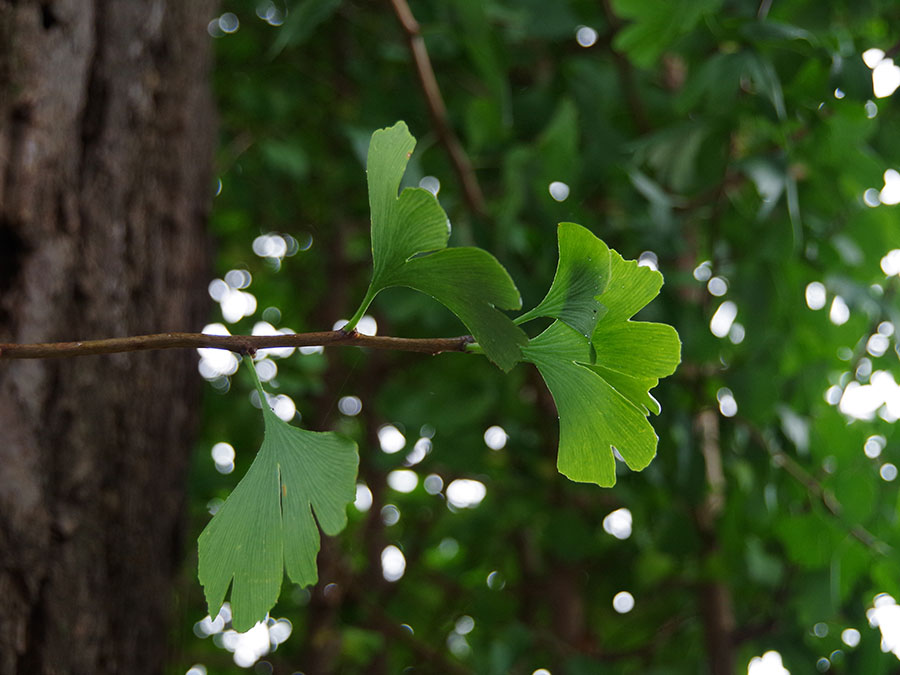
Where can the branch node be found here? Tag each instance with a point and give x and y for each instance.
(464, 341)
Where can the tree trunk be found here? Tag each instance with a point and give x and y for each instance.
(106, 137)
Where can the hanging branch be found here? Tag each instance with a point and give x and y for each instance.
(242, 344)
(438, 110)
(626, 72)
(818, 491)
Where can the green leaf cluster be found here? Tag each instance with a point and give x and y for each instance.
(597, 363)
(601, 383)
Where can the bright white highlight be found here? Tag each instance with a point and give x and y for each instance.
(209, 626)
(265, 328)
(559, 191)
(850, 637)
(885, 615)
(871, 198)
(890, 264)
(363, 498)
(721, 321)
(649, 259)
(249, 647)
(877, 344)
(393, 563)
(839, 313)
(419, 452)
(464, 625)
(618, 523)
(270, 246)
(266, 369)
(717, 286)
(350, 405)
(367, 326)
(585, 36)
(833, 395)
(465, 493)
(283, 406)
(885, 78)
(390, 439)
(223, 457)
(433, 484)
(890, 193)
(727, 404)
(623, 602)
(885, 75)
(390, 515)
(874, 445)
(881, 396)
(768, 664)
(402, 480)
(430, 183)
(229, 22)
(816, 295)
(872, 57)
(703, 271)
(215, 363)
(495, 437)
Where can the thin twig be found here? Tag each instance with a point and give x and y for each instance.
(626, 72)
(819, 491)
(438, 110)
(243, 344)
(393, 630)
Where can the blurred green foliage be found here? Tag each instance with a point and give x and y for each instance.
(731, 139)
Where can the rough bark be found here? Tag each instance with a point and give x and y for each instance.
(106, 133)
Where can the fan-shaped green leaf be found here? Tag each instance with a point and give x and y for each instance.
(633, 355)
(472, 284)
(582, 274)
(267, 523)
(602, 394)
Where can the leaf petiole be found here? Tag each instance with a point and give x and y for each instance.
(248, 361)
(363, 306)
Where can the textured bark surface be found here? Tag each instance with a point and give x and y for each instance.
(106, 136)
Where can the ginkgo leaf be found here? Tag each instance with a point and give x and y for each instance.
(266, 525)
(472, 283)
(458, 278)
(601, 387)
(582, 274)
(633, 355)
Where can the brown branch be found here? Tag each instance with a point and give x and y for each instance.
(243, 344)
(438, 110)
(715, 599)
